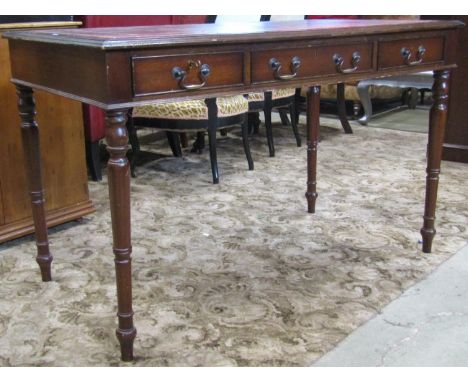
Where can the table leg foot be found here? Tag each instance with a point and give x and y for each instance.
(126, 338)
(30, 137)
(437, 121)
(427, 236)
(313, 124)
(44, 260)
(119, 194)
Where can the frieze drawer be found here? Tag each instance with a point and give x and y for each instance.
(174, 73)
(286, 64)
(412, 52)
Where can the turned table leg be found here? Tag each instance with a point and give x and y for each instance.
(30, 137)
(119, 194)
(437, 120)
(313, 124)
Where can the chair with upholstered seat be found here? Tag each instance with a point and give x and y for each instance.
(94, 117)
(342, 93)
(265, 102)
(269, 100)
(210, 114)
(366, 89)
(189, 116)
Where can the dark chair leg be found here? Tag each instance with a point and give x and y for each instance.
(93, 160)
(134, 143)
(356, 108)
(340, 99)
(213, 157)
(212, 126)
(297, 105)
(199, 144)
(413, 101)
(405, 97)
(250, 122)
(183, 140)
(268, 127)
(254, 122)
(269, 131)
(292, 112)
(257, 123)
(423, 93)
(245, 141)
(284, 117)
(174, 143)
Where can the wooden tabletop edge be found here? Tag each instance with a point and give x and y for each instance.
(41, 24)
(114, 43)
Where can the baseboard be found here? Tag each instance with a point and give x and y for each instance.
(455, 153)
(25, 227)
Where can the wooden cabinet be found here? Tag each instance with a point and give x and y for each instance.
(60, 123)
(456, 136)
(456, 133)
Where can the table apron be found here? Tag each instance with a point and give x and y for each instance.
(128, 78)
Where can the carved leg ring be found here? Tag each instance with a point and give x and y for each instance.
(30, 136)
(313, 124)
(119, 195)
(437, 120)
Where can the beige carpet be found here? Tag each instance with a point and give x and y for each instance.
(237, 273)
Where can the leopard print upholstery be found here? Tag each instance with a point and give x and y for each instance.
(283, 93)
(256, 97)
(230, 106)
(275, 94)
(193, 109)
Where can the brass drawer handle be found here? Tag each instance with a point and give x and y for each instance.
(406, 53)
(338, 61)
(180, 74)
(275, 65)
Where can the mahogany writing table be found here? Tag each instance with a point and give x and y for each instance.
(119, 68)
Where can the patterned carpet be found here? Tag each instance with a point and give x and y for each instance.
(237, 273)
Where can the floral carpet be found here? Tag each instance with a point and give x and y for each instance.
(237, 273)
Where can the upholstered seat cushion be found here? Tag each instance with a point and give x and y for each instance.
(275, 94)
(351, 94)
(193, 109)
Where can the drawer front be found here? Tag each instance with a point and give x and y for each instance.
(420, 51)
(314, 61)
(165, 74)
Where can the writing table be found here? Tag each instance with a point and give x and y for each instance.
(119, 68)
